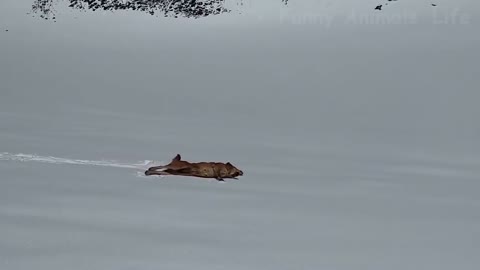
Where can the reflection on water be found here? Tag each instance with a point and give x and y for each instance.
(167, 8)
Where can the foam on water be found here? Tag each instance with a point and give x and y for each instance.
(5, 156)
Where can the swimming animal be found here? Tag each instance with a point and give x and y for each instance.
(177, 166)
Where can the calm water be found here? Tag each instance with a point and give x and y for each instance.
(359, 141)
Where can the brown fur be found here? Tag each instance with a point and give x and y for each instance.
(215, 170)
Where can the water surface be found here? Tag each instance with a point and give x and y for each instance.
(359, 141)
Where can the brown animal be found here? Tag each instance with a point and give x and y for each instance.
(215, 170)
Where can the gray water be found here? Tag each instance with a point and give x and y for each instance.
(359, 142)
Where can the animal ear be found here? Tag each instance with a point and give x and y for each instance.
(177, 158)
(228, 163)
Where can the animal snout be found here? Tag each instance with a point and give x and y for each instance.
(240, 173)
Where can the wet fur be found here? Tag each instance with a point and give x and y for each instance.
(217, 170)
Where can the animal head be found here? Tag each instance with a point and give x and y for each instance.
(233, 171)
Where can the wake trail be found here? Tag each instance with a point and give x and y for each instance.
(66, 161)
